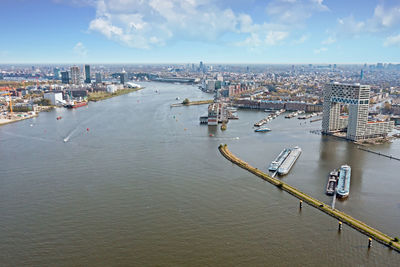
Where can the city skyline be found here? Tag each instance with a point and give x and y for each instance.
(255, 32)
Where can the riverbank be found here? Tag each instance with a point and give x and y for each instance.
(192, 103)
(101, 95)
(343, 217)
(20, 116)
(16, 119)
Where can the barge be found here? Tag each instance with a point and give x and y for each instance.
(289, 161)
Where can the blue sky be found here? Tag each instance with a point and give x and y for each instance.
(169, 31)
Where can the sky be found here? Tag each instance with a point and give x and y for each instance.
(189, 31)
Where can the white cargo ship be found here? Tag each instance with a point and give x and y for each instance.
(287, 164)
(279, 159)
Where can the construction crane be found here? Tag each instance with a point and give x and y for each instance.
(9, 95)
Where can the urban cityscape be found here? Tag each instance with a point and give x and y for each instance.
(237, 153)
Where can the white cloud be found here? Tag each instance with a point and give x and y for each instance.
(294, 12)
(144, 24)
(302, 39)
(329, 40)
(80, 50)
(320, 50)
(393, 40)
(385, 17)
(274, 37)
(350, 26)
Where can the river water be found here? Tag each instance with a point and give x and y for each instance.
(140, 183)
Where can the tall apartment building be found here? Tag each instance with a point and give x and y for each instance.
(75, 75)
(356, 96)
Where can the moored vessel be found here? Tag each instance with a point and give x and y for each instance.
(263, 130)
(289, 161)
(332, 180)
(343, 185)
(279, 159)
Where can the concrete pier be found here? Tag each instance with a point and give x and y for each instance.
(343, 217)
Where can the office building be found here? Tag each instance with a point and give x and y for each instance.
(358, 127)
(87, 74)
(98, 77)
(65, 77)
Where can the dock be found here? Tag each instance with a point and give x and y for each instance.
(378, 153)
(341, 216)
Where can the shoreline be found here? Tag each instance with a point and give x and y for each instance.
(99, 96)
(341, 216)
(42, 109)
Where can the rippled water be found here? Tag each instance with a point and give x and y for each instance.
(146, 185)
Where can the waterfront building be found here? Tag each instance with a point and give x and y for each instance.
(87, 74)
(75, 75)
(213, 110)
(358, 127)
(123, 77)
(65, 77)
(55, 98)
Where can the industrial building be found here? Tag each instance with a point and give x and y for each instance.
(356, 125)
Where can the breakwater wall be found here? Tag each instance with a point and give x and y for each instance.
(341, 216)
(193, 103)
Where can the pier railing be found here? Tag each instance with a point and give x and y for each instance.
(343, 217)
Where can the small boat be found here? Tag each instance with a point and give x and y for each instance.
(59, 118)
(262, 130)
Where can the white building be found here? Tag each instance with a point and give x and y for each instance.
(112, 88)
(56, 98)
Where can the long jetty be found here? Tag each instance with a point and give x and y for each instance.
(341, 216)
(193, 103)
(378, 153)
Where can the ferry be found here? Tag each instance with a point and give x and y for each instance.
(263, 130)
(332, 180)
(289, 161)
(343, 186)
(279, 159)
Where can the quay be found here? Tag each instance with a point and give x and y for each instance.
(378, 153)
(341, 216)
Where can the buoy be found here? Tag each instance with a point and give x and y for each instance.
(301, 204)
(369, 242)
(185, 129)
(340, 225)
(87, 129)
(31, 125)
(211, 135)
